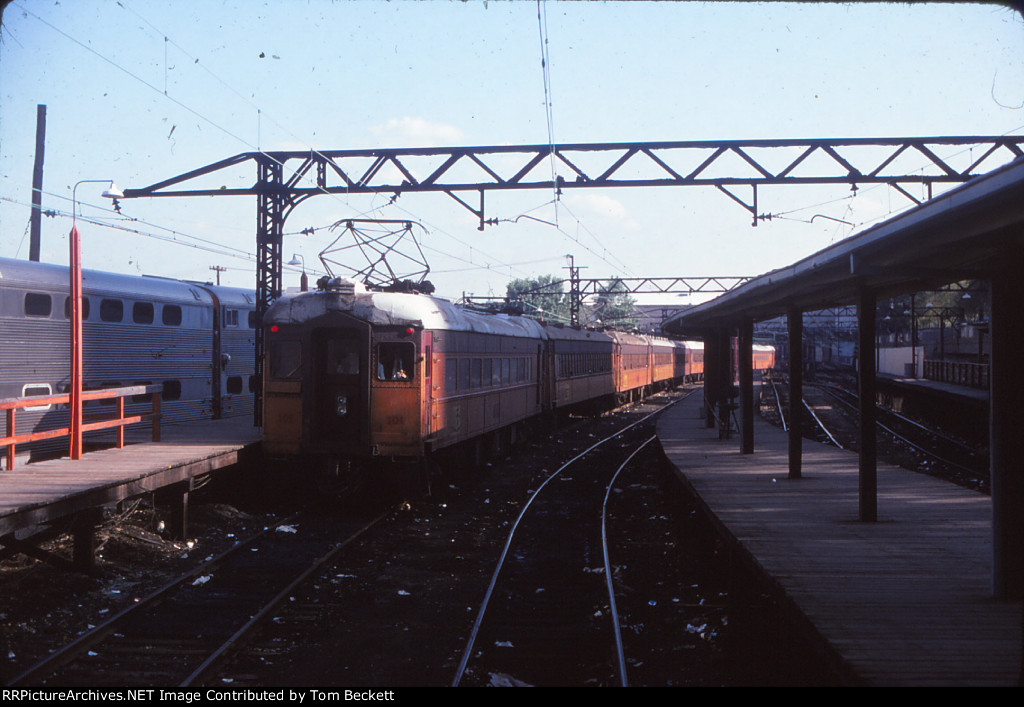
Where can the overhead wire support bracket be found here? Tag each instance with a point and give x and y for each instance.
(479, 213)
(907, 194)
(752, 208)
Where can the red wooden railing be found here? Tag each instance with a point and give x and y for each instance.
(12, 405)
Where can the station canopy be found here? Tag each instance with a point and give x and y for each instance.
(965, 233)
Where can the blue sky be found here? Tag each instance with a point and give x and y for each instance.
(140, 91)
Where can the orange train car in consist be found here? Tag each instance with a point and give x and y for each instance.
(359, 381)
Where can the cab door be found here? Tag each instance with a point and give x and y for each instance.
(340, 361)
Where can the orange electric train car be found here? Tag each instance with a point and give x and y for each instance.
(360, 381)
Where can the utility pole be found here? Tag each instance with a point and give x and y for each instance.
(219, 269)
(35, 219)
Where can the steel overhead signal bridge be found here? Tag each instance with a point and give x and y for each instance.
(583, 287)
(662, 285)
(286, 179)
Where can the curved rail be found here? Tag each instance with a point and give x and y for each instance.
(821, 424)
(623, 678)
(930, 452)
(814, 416)
(778, 404)
(842, 396)
(474, 632)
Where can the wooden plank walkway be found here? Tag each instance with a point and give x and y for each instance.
(904, 601)
(37, 493)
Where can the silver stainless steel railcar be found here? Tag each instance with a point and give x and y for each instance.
(194, 339)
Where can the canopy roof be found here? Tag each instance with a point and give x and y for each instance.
(962, 234)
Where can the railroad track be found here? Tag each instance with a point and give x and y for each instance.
(549, 615)
(932, 449)
(939, 448)
(182, 632)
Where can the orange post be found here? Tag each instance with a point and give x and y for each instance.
(76, 344)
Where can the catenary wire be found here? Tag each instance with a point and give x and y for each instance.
(185, 106)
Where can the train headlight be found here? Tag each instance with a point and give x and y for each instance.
(341, 405)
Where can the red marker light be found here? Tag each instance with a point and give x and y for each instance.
(409, 330)
(273, 329)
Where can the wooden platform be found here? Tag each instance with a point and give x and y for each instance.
(903, 601)
(39, 493)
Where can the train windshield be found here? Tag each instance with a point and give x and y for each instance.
(342, 357)
(285, 359)
(395, 360)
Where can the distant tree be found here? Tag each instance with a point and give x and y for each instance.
(542, 298)
(968, 302)
(614, 307)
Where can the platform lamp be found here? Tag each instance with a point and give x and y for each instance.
(299, 260)
(111, 192)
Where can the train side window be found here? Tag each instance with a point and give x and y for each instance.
(252, 318)
(286, 359)
(486, 378)
(142, 312)
(111, 310)
(85, 308)
(463, 374)
(171, 315)
(474, 376)
(172, 390)
(451, 374)
(395, 360)
(38, 304)
(36, 389)
(230, 317)
(496, 375)
(234, 385)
